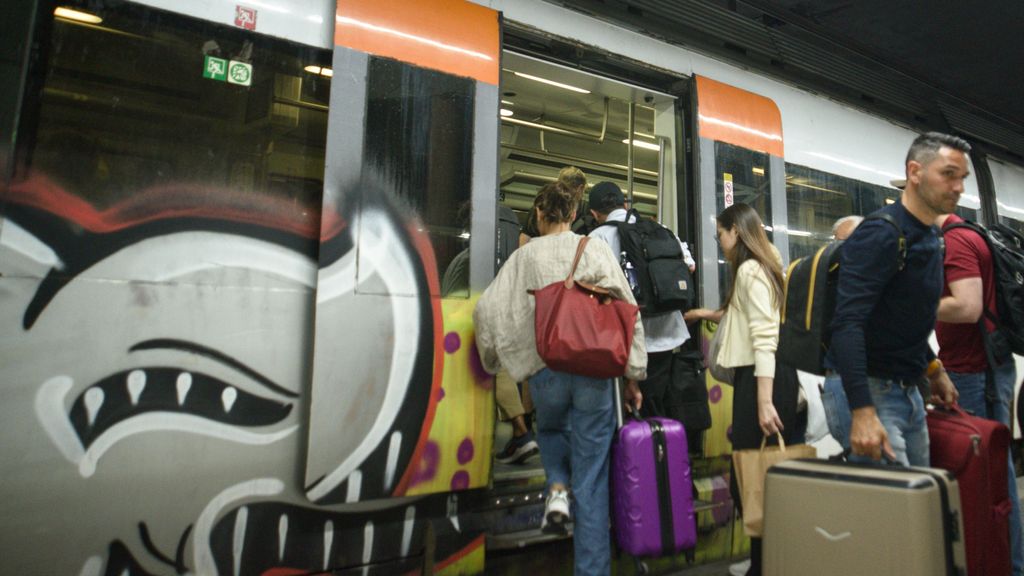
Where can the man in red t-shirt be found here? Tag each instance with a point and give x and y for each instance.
(969, 291)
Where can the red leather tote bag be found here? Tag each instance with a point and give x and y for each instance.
(581, 329)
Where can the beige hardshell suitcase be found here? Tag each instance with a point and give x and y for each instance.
(839, 518)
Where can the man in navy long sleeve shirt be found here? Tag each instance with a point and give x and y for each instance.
(885, 314)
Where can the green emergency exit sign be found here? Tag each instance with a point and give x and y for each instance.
(215, 68)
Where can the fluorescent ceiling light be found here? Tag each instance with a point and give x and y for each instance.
(318, 70)
(642, 144)
(758, 171)
(505, 112)
(551, 82)
(508, 103)
(69, 14)
(792, 232)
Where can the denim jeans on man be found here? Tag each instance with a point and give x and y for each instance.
(899, 408)
(575, 425)
(972, 397)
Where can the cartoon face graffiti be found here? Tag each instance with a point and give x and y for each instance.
(158, 374)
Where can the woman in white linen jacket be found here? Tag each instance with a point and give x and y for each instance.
(765, 395)
(575, 414)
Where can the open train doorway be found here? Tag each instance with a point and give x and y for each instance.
(552, 117)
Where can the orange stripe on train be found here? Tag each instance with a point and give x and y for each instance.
(742, 118)
(448, 35)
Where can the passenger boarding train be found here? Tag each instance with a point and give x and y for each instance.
(225, 348)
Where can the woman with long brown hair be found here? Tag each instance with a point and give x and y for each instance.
(765, 395)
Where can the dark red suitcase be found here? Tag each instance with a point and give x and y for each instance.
(975, 451)
(652, 492)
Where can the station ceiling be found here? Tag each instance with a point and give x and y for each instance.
(945, 65)
(974, 50)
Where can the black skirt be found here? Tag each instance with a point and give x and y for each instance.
(746, 430)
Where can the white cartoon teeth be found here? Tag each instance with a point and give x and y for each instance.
(136, 384)
(183, 384)
(238, 538)
(93, 402)
(282, 536)
(228, 397)
(328, 541)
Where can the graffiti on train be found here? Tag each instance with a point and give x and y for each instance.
(157, 364)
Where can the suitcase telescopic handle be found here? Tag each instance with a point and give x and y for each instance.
(623, 410)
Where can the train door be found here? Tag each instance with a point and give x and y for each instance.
(224, 348)
(553, 117)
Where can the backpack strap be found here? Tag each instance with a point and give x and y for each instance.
(901, 258)
(619, 224)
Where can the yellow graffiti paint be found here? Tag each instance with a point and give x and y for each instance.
(459, 442)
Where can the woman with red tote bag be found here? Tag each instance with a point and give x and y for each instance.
(575, 412)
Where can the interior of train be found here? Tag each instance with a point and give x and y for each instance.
(554, 116)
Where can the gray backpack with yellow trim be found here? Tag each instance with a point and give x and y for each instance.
(810, 301)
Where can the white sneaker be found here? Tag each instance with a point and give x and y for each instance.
(740, 568)
(556, 513)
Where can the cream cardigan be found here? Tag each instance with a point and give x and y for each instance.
(503, 316)
(751, 323)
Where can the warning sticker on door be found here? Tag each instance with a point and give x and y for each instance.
(239, 73)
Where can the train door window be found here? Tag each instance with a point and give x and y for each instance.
(553, 117)
(419, 148)
(746, 175)
(144, 111)
(1008, 180)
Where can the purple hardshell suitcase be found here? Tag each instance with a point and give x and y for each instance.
(652, 492)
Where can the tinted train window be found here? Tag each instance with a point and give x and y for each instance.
(815, 200)
(1011, 207)
(148, 103)
(419, 140)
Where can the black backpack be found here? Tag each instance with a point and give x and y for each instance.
(652, 260)
(1007, 248)
(810, 302)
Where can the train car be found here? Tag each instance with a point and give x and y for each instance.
(241, 242)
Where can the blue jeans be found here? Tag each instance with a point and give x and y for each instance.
(575, 425)
(837, 410)
(900, 409)
(971, 387)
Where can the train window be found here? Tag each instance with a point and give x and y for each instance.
(815, 200)
(150, 104)
(419, 143)
(1008, 180)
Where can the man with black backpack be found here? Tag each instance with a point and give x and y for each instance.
(889, 285)
(657, 266)
(973, 343)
